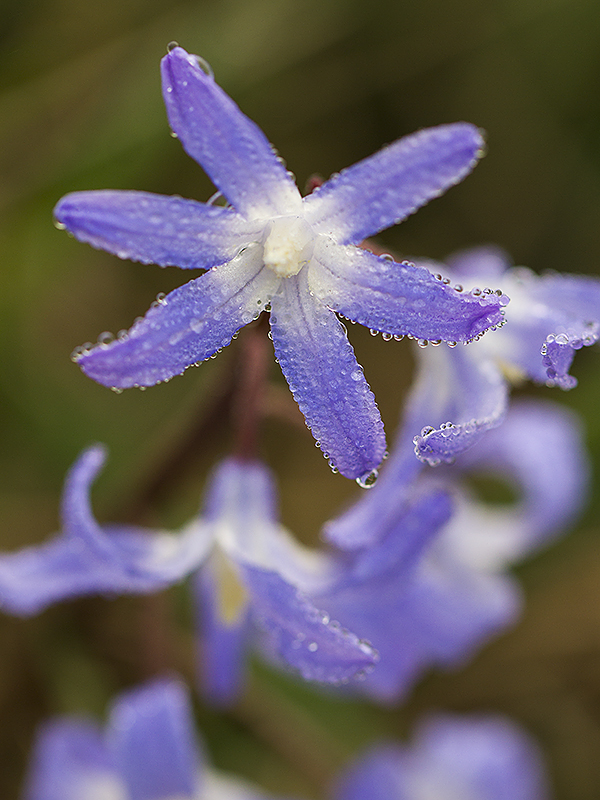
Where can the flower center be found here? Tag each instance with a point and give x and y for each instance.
(288, 245)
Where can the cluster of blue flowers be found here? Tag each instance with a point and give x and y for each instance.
(414, 574)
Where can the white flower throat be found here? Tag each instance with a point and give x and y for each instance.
(288, 245)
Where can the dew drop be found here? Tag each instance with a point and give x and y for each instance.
(173, 135)
(451, 344)
(422, 342)
(106, 338)
(368, 480)
(171, 46)
(60, 226)
(313, 647)
(386, 337)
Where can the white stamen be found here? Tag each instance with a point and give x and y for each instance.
(288, 246)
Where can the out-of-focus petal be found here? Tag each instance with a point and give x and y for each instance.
(302, 636)
(155, 229)
(461, 395)
(70, 762)
(398, 299)
(188, 326)
(487, 755)
(538, 449)
(452, 758)
(222, 636)
(438, 611)
(241, 503)
(231, 148)
(152, 738)
(88, 559)
(326, 381)
(388, 186)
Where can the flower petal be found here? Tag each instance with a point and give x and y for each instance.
(241, 501)
(233, 151)
(465, 390)
(303, 637)
(483, 757)
(539, 448)
(152, 738)
(88, 559)
(385, 188)
(155, 229)
(69, 762)
(222, 640)
(329, 386)
(189, 325)
(398, 299)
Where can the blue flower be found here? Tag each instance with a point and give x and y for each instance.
(252, 581)
(464, 392)
(148, 751)
(271, 248)
(423, 547)
(452, 758)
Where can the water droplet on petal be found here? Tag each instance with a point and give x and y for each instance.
(368, 480)
(171, 46)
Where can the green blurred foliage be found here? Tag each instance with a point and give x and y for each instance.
(329, 82)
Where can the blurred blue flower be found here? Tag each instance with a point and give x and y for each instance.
(452, 758)
(270, 248)
(443, 584)
(462, 393)
(148, 751)
(253, 580)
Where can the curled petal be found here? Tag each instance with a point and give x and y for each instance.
(88, 559)
(388, 186)
(155, 229)
(303, 637)
(231, 148)
(466, 391)
(189, 325)
(398, 299)
(152, 738)
(324, 377)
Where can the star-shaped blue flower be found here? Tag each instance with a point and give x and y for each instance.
(271, 248)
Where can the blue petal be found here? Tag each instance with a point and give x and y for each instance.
(87, 559)
(459, 395)
(151, 735)
(367, 521)
(324, 377)
(483, 757)
(154, 229)
(539, 448)
(398, 299)
(487, 755)
(221, 643)
(70, 762)
(233, 151)
(303, 637)
(549, 317)
(388, 186)
(191, 324)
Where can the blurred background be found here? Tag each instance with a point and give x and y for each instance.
(329, 82)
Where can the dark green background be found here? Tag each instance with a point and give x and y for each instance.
(329, 82)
